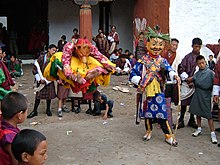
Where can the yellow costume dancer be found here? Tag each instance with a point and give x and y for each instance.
(86, 69)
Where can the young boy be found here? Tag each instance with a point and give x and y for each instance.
(14, 112)
(48, 91)
(201, 100)
(30, 147)
(101, 103)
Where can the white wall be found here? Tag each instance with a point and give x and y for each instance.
(3, 20)
(63, 16)
(194, 18)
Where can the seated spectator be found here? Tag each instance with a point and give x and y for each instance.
(30, 147)
(123, 65)
(15, 67)
(114, 56)
(102, 103)
(132, 59)
(3, 57)
(127, 53)
(120, 50)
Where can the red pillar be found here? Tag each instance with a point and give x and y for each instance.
(85, 25)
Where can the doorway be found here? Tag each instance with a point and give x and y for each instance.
(22, 16)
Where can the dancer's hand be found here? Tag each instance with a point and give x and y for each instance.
(177, 78)
(140, 89)
(110, 68)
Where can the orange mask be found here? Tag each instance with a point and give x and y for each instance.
(155, 46)
(83, 49)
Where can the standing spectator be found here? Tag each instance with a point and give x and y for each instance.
(48, 90)
(201, 100)
(14, 112)
(186, 70)
(171, 90)
(43, 40)
(15, 67)
(113, 39)
(140, 46)
(61, 43)
(13, 36)
(102, 43)
(211, 62)
(170, 53)
(99, 31)
(215, 48)
(75, 33)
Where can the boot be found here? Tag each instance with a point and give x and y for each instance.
(32, 114)
(48, 112)
(171, 140)
(147, 136)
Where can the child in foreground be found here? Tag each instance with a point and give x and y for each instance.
(14, 112)
(30, 147)
(201, 101)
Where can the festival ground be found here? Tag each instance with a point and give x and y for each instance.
(81, 139)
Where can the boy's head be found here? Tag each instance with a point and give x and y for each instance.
(12, 58)
(201, 63)
(141, 35)
(30, 146)
(131, 55)
(196, 45)
(97, 96)
(14, 104)
(127, 52)
(123, 57)
(52, 49)
(120, 50)
(75, 31)
(63, 37)
(210, 57)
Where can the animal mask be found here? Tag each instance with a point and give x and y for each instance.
(83, 49)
